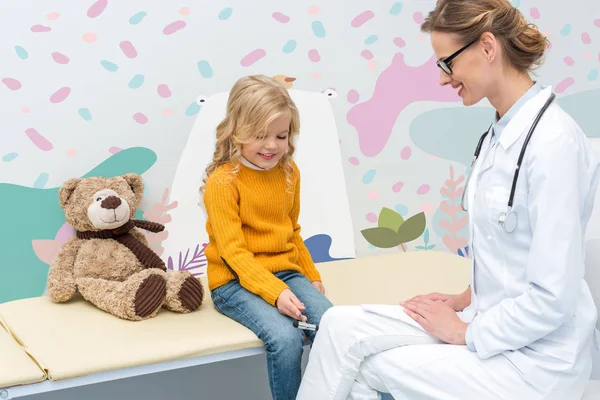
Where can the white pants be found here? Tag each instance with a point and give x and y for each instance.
(358, 354)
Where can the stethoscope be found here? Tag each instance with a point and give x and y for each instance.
(508, 220)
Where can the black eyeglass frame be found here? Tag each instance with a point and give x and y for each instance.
(444, 63)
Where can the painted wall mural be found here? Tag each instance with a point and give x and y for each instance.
(107, 87)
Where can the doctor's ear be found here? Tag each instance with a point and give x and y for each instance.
(489, 45)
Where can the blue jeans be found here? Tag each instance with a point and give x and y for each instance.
(283, 342)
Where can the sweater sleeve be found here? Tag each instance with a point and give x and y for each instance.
(221, 200)
(304, 258)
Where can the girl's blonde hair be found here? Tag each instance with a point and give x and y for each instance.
(254, 103)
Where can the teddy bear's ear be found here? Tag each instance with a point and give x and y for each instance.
(136, 184)
(67, 190)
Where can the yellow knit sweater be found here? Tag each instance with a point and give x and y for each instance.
(253, 229)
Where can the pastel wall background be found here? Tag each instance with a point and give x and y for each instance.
(106, 87)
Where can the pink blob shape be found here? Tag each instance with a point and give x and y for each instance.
(373, 195)
(11, 83)
(41, 142)
(418, 17)
(184, 11)
(114, 150)
(352, 96)
(40, 28)
(564, 85)
(366, 54)
(585, 38)
(354, 161)
(597, 22)
(427, 208)
(97, 8)
(535, 13)
(167, 111)
(372, 65)
(60, 58)
(252, 57)
(25, 110)
(174, 27)
(313, 10)
(60, 95)
(399, 42)
(71, 152)
(89, 37)
(65, 233)
(128, 49)
(313, 55)
(317, 75)
(423, 189)
(163, 90)
(420, 36)
(397, 86)
(406, 153)
(397, 187)
(362, 18)
(279, 17)
(588, 56)
(52, 16)
(371, 217)
(569, 61)
(140, 118)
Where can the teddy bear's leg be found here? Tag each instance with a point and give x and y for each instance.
(137, 298)
(184, 292)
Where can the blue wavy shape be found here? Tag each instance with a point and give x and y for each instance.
(319, 246)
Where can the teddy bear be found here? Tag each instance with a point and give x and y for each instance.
(108, 261)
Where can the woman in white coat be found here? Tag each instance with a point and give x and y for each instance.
(524, 328)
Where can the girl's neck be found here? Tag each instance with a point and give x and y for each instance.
(254, 166)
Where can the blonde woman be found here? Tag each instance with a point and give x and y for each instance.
(260, 273)
(524, 329)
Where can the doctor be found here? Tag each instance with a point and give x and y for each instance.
(524, 329)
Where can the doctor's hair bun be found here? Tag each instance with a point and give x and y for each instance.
(522, 43)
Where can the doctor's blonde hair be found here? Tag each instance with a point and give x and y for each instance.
(523, 44)
(254, 103)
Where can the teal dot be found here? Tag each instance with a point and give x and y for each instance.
(369, 176)
(396, 8)
(516, 3)
(136, 81)
(205, 69)
(109, 66)
(137, 18)
(593, 75)
(21, 53)
(401, 209)
(289, 47)
(371, 39)
(318, 29)
(566, 30)
(9, 157)
(41, 181)
(85, 114)
(225, 13)
(192, 109)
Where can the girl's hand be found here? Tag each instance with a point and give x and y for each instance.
(438, 319)
(319, 286)
(288, 304)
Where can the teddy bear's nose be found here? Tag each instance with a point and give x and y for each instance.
(111, 202)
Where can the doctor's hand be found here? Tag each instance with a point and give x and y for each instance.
(457, 302)
(438, 319)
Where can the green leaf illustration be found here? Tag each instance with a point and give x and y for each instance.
(426, 237)
(412, 228)
(381, 237)
(389, 218)
(420, 248)
(431, 246)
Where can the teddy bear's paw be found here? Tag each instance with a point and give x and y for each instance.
(184, 292)
(150, 295)
(191, 294)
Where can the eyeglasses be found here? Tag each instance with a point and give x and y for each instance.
(444, 64)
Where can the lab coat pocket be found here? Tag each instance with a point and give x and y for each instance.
(497, 197)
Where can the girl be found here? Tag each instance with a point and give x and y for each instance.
(524, 329)
(260, 273)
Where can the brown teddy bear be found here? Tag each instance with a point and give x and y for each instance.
(109, 261)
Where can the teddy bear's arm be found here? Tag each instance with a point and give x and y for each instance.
(61, 279)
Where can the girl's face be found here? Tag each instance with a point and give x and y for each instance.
(266, 152)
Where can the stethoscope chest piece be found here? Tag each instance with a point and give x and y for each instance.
(508, 221)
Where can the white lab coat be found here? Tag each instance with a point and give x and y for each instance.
(532, 315)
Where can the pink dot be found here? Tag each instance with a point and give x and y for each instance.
(433, 158)
(354, 161)
(373, 195)
(427, 208)
(89, 37)
(128, 49)
(371, 217)
(114, 150)
(597, 22)
(546, 32)
(317, 75)
(252, 57)
(41, 142)
(362, 19)
(25, 110)
(174, 27)
(399, 42)
(11, 83)
(352, 96)
(60, 95)
(585, 38)
(372, 65)
(397, 187)
(279, 17)
(418, 17)
(588, 56)
(167, 112)
(406, 153)
(535, 13)
(184, 11)
(564, 85)
(423, 189)
(313, 55)
(60, 58)
(97, 8)
(71, 152)
(140, 118)
(366, 54)
(549, 45)
(313, 10)
(40, 28)
(52, 16)
(569, 61)
(163, 90)
(420, 36)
